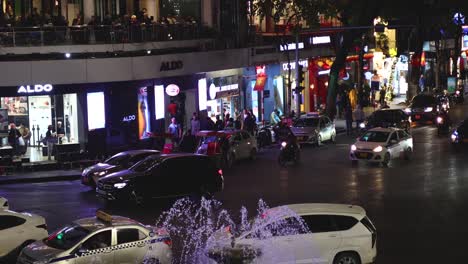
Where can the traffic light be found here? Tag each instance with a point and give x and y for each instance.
(301, 80)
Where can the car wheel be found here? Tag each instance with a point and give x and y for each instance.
(386, 159)
(347, 258)
(408, 153)
(253, 154)
(319, 140)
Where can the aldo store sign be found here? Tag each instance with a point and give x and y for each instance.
(37, 88)
(171, 65)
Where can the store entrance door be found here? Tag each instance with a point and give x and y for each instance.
(40, 116)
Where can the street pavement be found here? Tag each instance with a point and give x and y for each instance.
(419, 207)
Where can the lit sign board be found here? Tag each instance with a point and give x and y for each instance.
(202, 96)
(38, 88)
(96, 111)
(304, 64)
(465, 38)
(213, 90)
(172, 90)
(171, 65)
(129, 118)
(321, 40)
(159, 101)
(292, 46)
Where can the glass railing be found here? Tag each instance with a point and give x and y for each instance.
(100, 34)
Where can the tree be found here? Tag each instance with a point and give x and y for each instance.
(294, 13)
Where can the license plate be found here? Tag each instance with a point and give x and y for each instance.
(362, 155)
(417, 117)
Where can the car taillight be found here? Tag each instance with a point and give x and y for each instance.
(167, 241)
(43, 226)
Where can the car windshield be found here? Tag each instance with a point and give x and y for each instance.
(423, 101)
(307, 122)
(146, 164)
(375, 136)
(116, 160)
(66, 237)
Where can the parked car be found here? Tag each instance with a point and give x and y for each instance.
(332, 233)
(424, 108)
(459, 136)
(382, 145)
(241, 145)
(102, 239)
(17, 230)
(314, 128)
(387, 118)
(118, 162)
(4, 203)
(163, 176)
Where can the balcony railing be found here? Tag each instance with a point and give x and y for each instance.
(100, 34)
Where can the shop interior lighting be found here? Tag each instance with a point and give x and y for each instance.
(148, 52)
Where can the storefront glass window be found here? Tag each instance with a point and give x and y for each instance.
(144, 125)
(182, 9)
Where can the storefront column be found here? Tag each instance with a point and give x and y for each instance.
(88, 10)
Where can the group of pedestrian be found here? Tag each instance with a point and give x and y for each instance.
(18, 138)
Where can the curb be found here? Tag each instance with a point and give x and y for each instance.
(14, 180)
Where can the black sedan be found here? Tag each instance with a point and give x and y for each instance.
(460, 134)
(387, 118)
(424, 108)
(164, 175)
(118, 162)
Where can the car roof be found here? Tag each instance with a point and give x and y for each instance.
(137, 152)
(384, 129)
(94, 223)
(326, 208)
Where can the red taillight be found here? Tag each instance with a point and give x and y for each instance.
(167, 241)
(220, 172)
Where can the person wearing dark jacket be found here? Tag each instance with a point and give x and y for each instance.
(349, 119)
(13, 136)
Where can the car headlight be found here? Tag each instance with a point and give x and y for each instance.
(408, 110)
(120, 185)
(454, 136)
(362, 125)
(353, 148)
(428, 109)
(378, 149)
(439, 120)
(284, 144)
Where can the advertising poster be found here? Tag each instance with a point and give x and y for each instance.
(96, 111)
(144, 127)
(451, 84)
(16, 106)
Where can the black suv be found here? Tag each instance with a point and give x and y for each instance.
(163, 176)
(388, 118)
(424, 108)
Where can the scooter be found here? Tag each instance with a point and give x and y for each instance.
(264, 136)
(443, 124)
(289, 152)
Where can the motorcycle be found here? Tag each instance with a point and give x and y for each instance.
(264, 136)
(289, 152)
(457, 97)
(443, 124)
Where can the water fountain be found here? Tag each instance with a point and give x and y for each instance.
(205, 233)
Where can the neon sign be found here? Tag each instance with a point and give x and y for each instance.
(38, 88)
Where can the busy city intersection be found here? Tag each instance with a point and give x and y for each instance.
(418, 206)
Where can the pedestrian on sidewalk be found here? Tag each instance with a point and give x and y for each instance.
(349, 119)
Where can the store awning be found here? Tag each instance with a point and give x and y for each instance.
(260, 83)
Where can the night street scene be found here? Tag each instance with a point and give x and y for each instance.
(233, 131)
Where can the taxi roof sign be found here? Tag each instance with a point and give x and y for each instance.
(103, 216)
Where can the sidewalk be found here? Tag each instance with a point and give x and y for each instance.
(41, 176)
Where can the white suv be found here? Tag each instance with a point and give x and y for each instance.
(333, 234)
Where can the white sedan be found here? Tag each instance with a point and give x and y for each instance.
(17, 230)
(382, 145)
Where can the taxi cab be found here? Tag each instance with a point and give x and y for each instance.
(102, 239)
